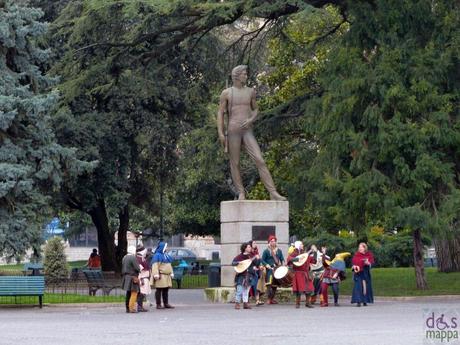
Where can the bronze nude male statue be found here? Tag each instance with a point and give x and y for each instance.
(239, 101)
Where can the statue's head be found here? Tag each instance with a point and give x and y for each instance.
(238, 71)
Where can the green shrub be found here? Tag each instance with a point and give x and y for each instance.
(55, 262)
(390, 250)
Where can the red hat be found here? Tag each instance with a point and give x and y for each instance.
(272, 237)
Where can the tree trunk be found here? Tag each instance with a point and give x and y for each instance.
(418, 261)
(123, 229)
(447, 253)
(104, 237)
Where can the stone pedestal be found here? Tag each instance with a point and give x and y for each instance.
(246, 220)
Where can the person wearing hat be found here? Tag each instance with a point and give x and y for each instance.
(246, 266)
(272, 257)
(162, 275)
(130, 282)
(144, 277)
(302, 283)
(333, 274)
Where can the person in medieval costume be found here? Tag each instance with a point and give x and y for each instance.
(144, 277)
(258, 285)
(362, 289)
(130, 282)
(272, 257)
(302, 283)
(333, 274)
(246, 266)
(317, 270)
(162, 275)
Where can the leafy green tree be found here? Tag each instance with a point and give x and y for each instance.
(388, 125)
(297, 57)
(126, 114)
(203, 181)
(31, 162)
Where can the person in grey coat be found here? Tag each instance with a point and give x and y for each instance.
(130, 282)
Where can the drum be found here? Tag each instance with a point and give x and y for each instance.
(283, 276)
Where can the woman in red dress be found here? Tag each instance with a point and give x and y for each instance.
(302, 282)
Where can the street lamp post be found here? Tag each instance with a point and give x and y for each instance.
(161, 210)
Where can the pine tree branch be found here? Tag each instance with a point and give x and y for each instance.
(202, 22)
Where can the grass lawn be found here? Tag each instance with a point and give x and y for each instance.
(75, 298)
(194, 282)
(401, 282)
(19, 267)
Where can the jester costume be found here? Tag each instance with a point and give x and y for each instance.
(333, 274)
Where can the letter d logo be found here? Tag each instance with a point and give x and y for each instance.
(430, 321)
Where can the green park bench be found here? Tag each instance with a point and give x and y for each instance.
(96, 281)
(178, 275)
(33, 269)
(23, 286)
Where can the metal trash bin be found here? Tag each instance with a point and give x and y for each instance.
(214, 275)
(215, 256)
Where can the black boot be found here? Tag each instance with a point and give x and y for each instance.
(140, 303)
(128, 295)
(165, 299)
(158, 298)
(308, 301)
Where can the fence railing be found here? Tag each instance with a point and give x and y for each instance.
(75, 288)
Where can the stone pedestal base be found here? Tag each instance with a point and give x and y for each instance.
(246, 220)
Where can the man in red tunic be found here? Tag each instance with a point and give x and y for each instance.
(302, 282)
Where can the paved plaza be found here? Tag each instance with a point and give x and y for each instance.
(195, 321)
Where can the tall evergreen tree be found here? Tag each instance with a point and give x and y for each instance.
(388, 126)
(31, 162)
